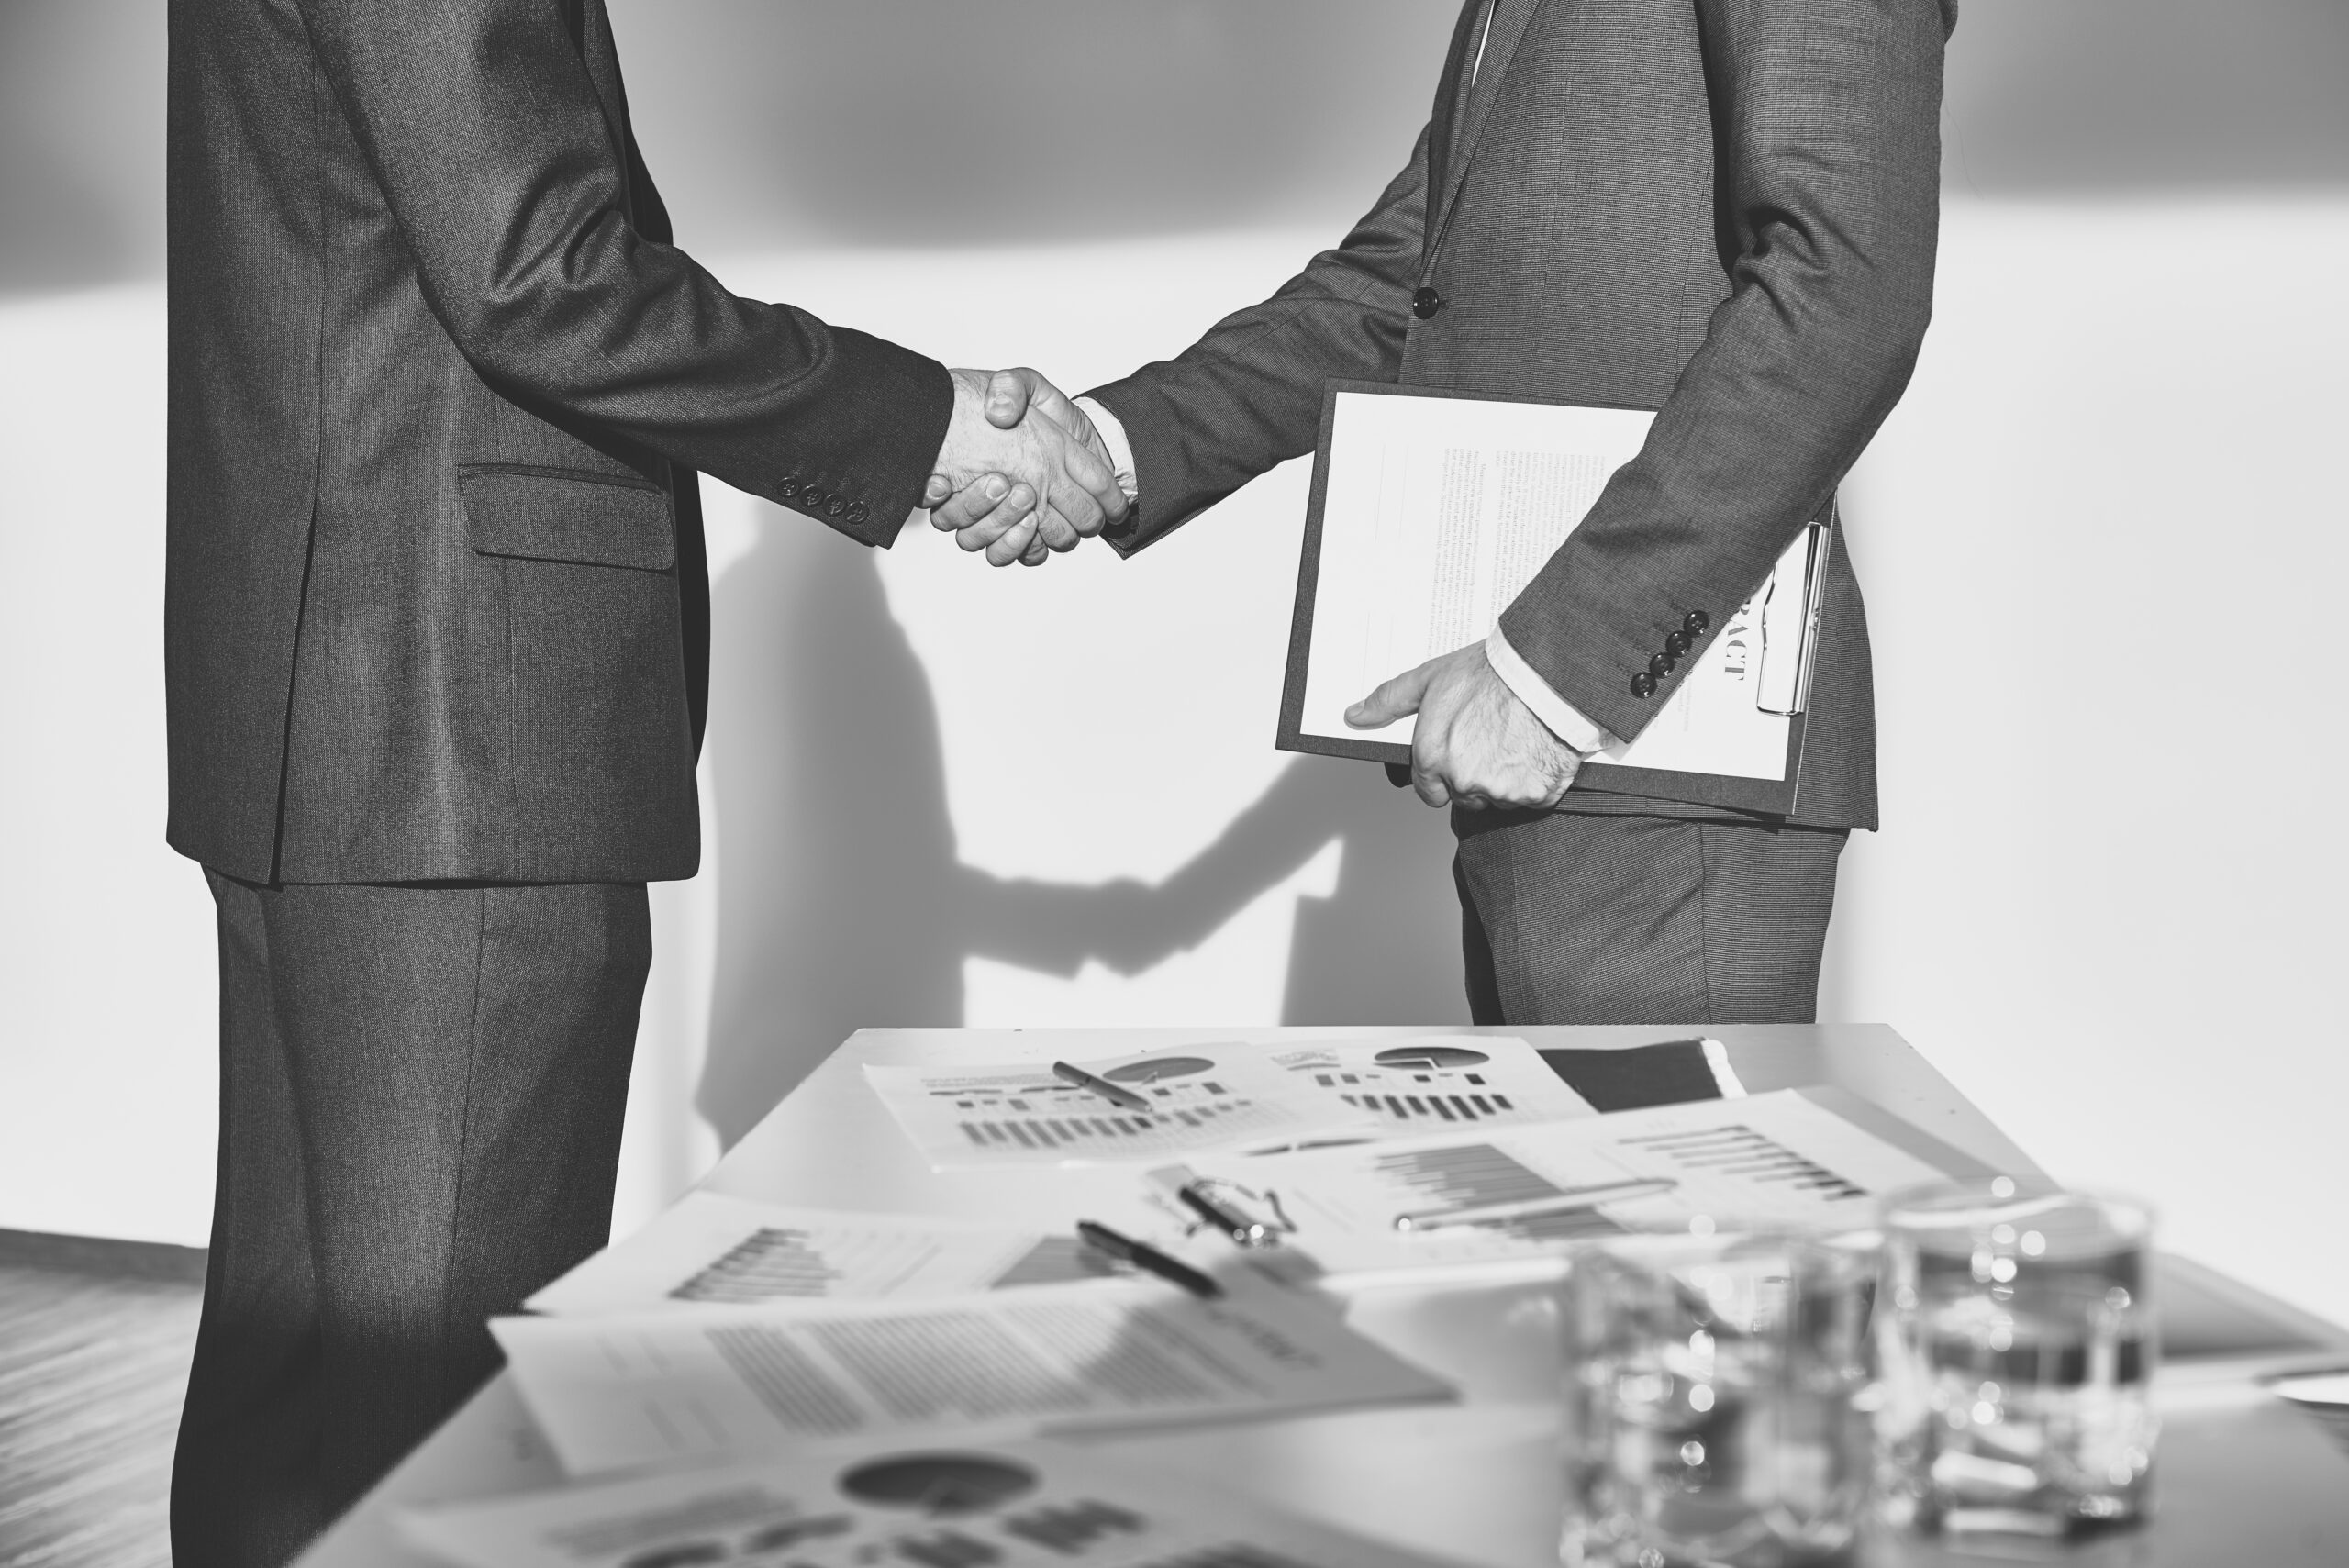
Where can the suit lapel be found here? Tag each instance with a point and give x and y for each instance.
(1510, 20)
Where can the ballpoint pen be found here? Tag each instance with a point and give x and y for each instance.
(1067, 1072)
(1244, 1231)
(1563, 1202)
(1148, 1259)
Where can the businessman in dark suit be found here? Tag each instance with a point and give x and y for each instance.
(437, 642)
(1721, 209)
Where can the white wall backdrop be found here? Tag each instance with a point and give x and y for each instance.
(2099, 541)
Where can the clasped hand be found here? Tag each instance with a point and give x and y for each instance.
(1475, 744)
(1023, 472)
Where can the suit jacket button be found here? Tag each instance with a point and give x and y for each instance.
(812, 499)
(787, 489)
(1661, 664)
(856, 512)
(1696, 622)
(835, 507)
(1643, 685)
(1426, 303)
(1677, 643)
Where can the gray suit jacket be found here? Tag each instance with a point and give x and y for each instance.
(1723, 209)
(436, 604)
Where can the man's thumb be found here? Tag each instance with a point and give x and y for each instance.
(1398, 698)
(1008, 394)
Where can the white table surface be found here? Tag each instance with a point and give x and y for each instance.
(2244, 1479)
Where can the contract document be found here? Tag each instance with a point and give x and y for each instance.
(612, 1392)
(714, 1250)
(1432, 510)
(974, 1506)
(1814, 1157)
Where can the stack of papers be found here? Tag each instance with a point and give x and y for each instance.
(811, 1387)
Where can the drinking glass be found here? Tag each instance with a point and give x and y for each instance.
(1709, 1414)
(2016, 1345)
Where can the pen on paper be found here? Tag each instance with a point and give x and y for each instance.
(1148, 1259)
(1244, 1231)
(1565, 1201)
(1116, 1095)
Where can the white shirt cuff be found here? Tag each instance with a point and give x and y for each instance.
(1563, 719)
(1113, 436)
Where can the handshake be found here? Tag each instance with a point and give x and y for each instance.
(1023, 472)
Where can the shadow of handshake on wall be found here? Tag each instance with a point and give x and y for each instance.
(843, 903)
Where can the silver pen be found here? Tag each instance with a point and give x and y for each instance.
(1564, 1201)
(1115, 1094)
(1244, 1231)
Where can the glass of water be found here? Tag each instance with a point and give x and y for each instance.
(1710, 1401)
(2018, 1346)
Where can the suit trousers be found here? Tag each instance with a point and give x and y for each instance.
(1580, 918)
(422, 1090)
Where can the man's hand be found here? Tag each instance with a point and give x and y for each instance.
(1475, 744)
(1022, 471)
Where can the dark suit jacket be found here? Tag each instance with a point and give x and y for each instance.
(1724, 210)
(436, 602)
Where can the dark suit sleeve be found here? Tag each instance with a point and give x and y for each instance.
(1248, 396)
(1826, 116)
(508, 184)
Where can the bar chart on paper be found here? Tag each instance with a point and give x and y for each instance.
(1433, 1083)
(1781, 1157)
(777, 1263)
(1737, 1151)
(713, 1250)
(1202, 1098)
(1521, 1202)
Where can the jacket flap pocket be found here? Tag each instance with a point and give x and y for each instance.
(563, 514)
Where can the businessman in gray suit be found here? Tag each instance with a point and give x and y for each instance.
(436, 652)
(1724, 210)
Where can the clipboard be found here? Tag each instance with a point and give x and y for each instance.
(1382, 585)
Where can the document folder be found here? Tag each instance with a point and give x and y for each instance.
(1432, 508)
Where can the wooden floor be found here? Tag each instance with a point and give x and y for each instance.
(94, 1345)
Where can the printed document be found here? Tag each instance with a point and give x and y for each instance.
(1430, 1083)
(992, 1506)
(712, 1249)
(1437, 513)
(1200, 1098)
(1793, 1157)
(642, 1388)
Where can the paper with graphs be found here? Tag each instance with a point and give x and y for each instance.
(1815, 1158)
(1430, 1083)
(1197, 1098)
(970, 1505)
(711, 1250)
(611, 1392)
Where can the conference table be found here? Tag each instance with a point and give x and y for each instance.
(2243, 1475)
